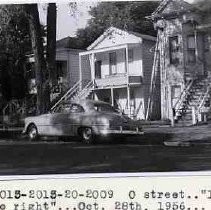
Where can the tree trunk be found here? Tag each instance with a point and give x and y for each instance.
(40, 65)
(51, 43)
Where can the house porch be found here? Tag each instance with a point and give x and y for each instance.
(116, 72)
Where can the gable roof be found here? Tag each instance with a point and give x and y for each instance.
(70, 42)
(111, 30)
(178, 6)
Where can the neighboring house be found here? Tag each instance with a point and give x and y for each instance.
(66, 73)
(67, 60)
(183, 54)
(119, 63)
(67, 65)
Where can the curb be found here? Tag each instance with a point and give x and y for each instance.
(177, 144)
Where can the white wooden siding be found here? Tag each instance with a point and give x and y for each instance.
(74, 68)
(61, 56)
(139, 102)
(135, 67)
(120, 61)
(85, 69)
(72, 59)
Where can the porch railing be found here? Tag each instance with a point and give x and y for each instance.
(111, 81)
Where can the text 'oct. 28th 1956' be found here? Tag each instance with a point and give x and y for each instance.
(107, 193)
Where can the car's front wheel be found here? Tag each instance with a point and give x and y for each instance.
(87, 135)
(32, 132)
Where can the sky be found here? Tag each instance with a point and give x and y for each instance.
(67, 23)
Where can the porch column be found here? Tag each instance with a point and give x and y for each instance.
(127, 75)
(112, 96)
(92, 65)
(128, 99)
(80, 72)
(126, 62)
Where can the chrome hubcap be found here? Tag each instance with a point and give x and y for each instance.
(87, 133)
(33, 133)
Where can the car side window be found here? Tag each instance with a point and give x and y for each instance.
(76, 108)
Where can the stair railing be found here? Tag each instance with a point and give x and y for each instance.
(202, 103)
(68, 94)
(177, 106)
(201, 97)
(85, 90)
(75, 92)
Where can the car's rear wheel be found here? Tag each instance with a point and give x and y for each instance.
(87, 135)
(32, 132)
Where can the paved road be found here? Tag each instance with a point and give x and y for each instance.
(146, 154)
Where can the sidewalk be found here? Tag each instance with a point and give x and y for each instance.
(184, 136)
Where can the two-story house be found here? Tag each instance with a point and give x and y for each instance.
(119, 63)
(183, 58)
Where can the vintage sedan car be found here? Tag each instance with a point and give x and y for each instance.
(87, 119)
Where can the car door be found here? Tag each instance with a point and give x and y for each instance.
(55, 123)
(75, 118)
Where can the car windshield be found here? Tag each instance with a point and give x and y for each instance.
(70, 108)
(104, 108)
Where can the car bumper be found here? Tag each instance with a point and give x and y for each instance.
(120, 131)
(125, 132)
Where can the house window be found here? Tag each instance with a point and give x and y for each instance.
(130, 55)
(191, 49)
(61, 68)
(98, 65)
(112, 63)
(174, 50)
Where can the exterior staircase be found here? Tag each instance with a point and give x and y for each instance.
(75, 93)
(194, 100)
(14, 111)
